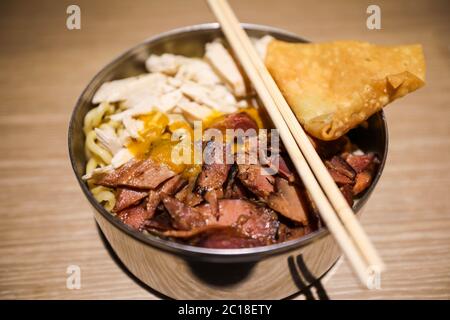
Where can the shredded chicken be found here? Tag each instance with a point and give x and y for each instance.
(170, 100)
(98, 172)
(121, 157)
(198, 71)
(133, 126)
(223, 63)
(193, 110)
(134, 91)
(108, 139)
(166, 63)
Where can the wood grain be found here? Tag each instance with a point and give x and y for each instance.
(46, 223)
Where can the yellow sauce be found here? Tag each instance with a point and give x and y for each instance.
(180, 125)
(212, 118)
(154, 125)
(161, 152)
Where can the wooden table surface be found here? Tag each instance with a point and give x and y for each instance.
(46, 224)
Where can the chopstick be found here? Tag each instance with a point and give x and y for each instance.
(350, 236)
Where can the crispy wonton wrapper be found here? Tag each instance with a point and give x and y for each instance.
(333, 87)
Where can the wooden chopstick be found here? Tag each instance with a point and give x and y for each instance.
(258, 74)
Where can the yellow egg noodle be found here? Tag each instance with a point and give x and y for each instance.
(96, 154)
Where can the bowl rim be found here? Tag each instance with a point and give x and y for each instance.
(200, 253)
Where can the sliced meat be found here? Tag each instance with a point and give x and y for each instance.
(183, 193)
(160, 222)
(365, 166)
(211, 179)
(341, 166)
(237, 191)
(286, 233)
(362, 181)
(139, 174)
(341, 172)
(347, 192)
(187, 194)
(278, 193)
(149, 175)
(290, 201)
(127, 197)
(154, 198)
(188, 197)
(137, 216)
(231, 180)
(134, 216)
(249, 219)
(239, 120)
(252, 221)
(262, 225)
(112, 177)
(185, 217)
(168, 188)
(234, 188)
(339, 178)
(253, 178)
(283, 169)
(212, 197)
(360, 163)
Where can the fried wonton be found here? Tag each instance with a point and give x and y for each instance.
(333, 87)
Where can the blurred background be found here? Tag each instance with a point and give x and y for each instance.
(46, 224)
